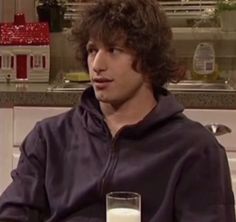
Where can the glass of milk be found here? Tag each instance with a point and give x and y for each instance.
(123, 206)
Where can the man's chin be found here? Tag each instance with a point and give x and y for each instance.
(102, 98)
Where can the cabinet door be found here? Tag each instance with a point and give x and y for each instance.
(6, 123)
(224, 117)
(24, 120)
(26, 117)
(232, 165)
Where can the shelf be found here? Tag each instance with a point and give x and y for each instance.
(186, 33)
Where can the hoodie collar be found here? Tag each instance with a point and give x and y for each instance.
(166, 108)
(90, 104)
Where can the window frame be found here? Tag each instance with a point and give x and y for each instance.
(9, 59)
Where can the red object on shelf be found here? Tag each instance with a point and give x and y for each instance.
(21, 71)
(22, 33)
(19, 19)
(24, 50)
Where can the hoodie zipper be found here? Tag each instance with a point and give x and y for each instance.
(111, 163)
(107, 172)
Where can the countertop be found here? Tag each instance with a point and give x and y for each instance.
(39, 95)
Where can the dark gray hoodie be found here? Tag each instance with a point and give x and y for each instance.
(69, 162)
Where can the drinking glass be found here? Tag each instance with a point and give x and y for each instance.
(122, 206)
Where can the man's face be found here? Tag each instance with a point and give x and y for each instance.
(113, 78)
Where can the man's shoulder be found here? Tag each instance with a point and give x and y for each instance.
(193, 133)
(62, 120)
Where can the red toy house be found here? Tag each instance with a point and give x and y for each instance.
(24, 51)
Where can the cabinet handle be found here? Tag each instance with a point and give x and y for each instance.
(218, 129)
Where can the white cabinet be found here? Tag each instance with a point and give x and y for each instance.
(224, 117)
(15, 124)
(6, 123)
(24, 119)
(232, 165)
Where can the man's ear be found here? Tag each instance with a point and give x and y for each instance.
(137, 64)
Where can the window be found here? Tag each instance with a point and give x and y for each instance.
(175, 9)
(44, 62)
(38, 61)
(12, 62)
(188, 8)
(7, 61)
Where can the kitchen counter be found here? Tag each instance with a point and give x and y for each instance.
(41, 95)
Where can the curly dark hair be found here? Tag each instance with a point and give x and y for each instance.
(146, 31)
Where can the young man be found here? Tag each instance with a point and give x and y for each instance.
(127, 134)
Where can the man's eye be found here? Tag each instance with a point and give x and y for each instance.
(91, 50)
(115, 50)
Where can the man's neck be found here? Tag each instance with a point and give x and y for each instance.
(128, 113)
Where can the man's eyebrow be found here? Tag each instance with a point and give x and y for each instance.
(117, 43)
(90, 44)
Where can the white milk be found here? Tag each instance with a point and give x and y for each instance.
(123, 215)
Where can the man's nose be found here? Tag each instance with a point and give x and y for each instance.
(99, 61)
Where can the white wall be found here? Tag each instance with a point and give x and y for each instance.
(8, 7)
(1, 11)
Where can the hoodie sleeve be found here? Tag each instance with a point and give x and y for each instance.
(204, 192)
(25, 198)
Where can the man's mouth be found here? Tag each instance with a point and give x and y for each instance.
(101, 83)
